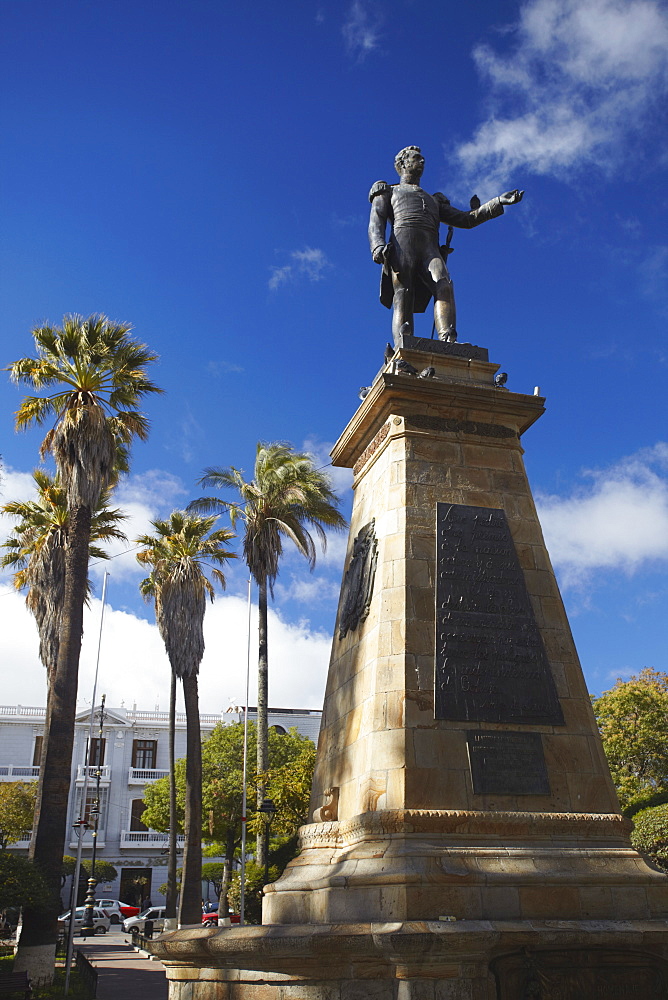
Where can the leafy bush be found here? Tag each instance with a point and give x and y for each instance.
(651, 834)
(633, 720)
(21, 883)
(644, 802)
(255, 880)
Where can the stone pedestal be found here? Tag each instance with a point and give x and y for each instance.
(467, 839)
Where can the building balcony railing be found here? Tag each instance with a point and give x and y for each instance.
(141, 775)
(25, 710)
(19, 772)
(133, 715)
(88, 840)
(148, 840)
(105, 772)
(24, 843)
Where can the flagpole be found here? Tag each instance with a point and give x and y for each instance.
(244, 796)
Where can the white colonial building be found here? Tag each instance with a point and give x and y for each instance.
(132, 753)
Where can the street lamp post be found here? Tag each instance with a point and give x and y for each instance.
(269, 810)
(80, 828)
(88, 926)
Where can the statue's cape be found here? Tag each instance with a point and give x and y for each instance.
(421, 293)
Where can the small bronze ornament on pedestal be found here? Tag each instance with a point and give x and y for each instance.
(357, 589)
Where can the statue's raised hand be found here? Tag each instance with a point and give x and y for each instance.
(511, 197)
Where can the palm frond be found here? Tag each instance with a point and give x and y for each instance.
(99, 371)
(287, 497)
(178, 554)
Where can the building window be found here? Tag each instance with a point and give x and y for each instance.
(90, 802)
(144, 754)
(37, 752)
(136, 809)
(96, 754)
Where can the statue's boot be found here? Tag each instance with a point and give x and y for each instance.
(449, 336)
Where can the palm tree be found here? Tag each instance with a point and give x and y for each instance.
(36, 553)
(98, 373)
(287, 498)
(148, 591)
(178, 554)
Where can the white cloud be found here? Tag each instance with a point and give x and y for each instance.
(311, 263)
(334, 554)
(279, 276)
(142, 498)
(619, 522)
(308, 590)
(361, 29)
(15, 485)
(579, 79)
(134, 666)
(220, 367)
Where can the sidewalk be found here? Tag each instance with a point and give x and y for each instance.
(122, 972)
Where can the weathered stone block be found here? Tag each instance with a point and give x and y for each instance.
(556, 903)
(367, 990)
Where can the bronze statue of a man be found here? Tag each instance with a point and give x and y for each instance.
(414, 267)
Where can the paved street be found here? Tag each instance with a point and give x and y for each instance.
(123, 972)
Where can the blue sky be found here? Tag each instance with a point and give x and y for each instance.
(201, 170)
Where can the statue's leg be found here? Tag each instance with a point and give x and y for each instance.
(445, 314)
(402, 311)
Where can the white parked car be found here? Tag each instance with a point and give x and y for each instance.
(117, 911)
(137, 924)
(101, 921)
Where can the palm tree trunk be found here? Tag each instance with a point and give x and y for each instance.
(170, 902)
(262, 715)
(190, 910)
(37, 945)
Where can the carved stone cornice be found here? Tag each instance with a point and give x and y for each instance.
(448, 425)
(371, 448)
(391, 823)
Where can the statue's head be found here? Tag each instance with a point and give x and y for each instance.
(409, 158)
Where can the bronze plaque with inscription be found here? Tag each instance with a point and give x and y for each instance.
(491, 665)
(507, 763)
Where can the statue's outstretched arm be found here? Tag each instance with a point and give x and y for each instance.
(511, 197)
(468, 220)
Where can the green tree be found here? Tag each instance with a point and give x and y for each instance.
(36, 553)
(254, 882)
(288, 779)
(21, 883)
(650, 834)
(104, 872)
(633, 720)
(17, 808)
(287, 498)
(214, 873)
(94, 376)
(178, 554)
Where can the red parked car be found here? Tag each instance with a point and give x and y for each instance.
(117, 911)
(211, 919)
